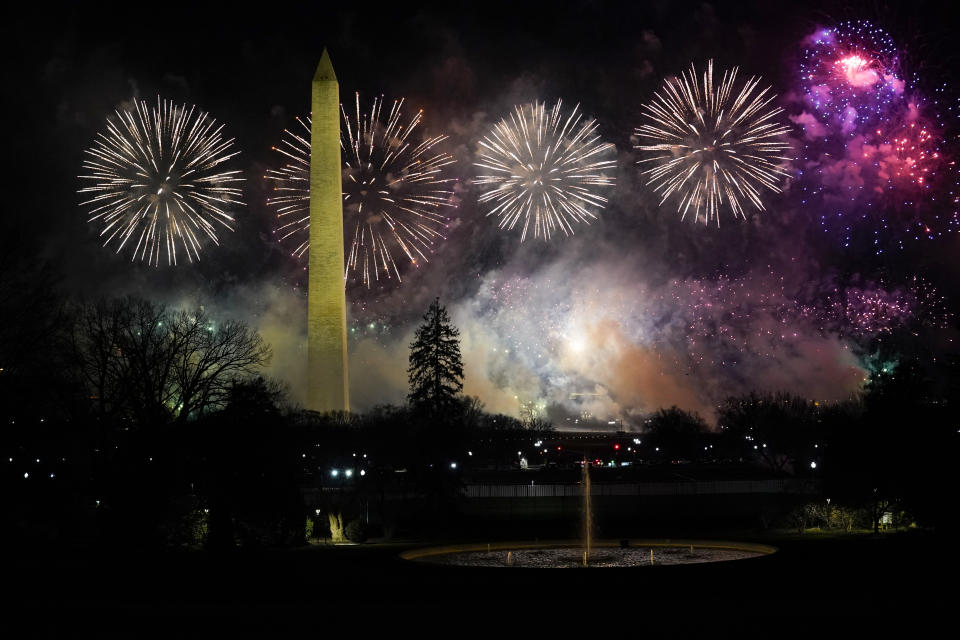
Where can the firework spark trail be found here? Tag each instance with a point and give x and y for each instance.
(538, 319)
(291, 184)
(527, 314)
(723, 320)
(544, 168)
(716, 322)
(876, 309)
(561, 330)
(877, 163)
(850, 72)
(889, 183)
(710, 145)
(862, 312)
(709, 322)
(394, 190)
(915, 152)
(156, 180)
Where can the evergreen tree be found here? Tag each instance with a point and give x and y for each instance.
(436, 370)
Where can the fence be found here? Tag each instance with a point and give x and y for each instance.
(731, 487)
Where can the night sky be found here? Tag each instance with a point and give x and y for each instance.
(634, 312)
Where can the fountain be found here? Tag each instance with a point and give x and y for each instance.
(587, 514)
(560, 554)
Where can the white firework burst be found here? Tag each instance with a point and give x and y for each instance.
(158, 182)
(395, 190)
(709, 146)
(544, 168)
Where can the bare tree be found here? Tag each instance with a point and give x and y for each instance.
(209, 358)
(101, 355)
(141, 362)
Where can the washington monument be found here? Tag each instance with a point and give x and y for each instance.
(328, 386)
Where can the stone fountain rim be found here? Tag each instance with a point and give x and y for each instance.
(425, 554)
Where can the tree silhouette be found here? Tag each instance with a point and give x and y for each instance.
(436, 370)
(889, 459)
(780, 427)
(250, 470)
(32, 332)
(141, 362)
(680, 434)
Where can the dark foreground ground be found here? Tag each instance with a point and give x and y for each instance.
(815, 586)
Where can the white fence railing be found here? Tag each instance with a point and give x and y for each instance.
(641, 489)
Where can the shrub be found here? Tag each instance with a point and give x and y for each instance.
(356, 531)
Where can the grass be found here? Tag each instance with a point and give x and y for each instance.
(845, 576)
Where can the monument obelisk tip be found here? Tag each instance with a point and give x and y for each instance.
(325, 69)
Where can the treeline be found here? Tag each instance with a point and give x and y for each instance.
(889, 453)
(129, 423)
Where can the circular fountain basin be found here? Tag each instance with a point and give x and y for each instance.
(557, 555)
